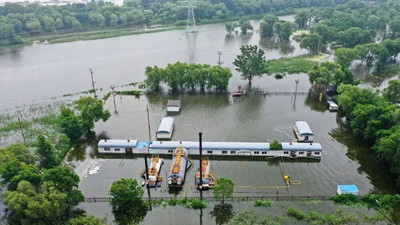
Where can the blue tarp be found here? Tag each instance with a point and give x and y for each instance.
(348, 188)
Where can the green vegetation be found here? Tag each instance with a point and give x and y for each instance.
(133, 92)
(275, 145)
(375, 120)
(298, 64)
(381, 203)
(328, 73)
(223, 189)
(127, 203)
(313, 217)
(37, 196)
(183, 75)
(19, 23)
(262, 203)
(250, 62)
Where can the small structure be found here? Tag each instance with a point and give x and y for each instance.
(303, 132)
(154, 172)
(180, 164)
(310, 150)
(347, 189)
(208, 179)
(332, 106)
(173, 106)
(166, 128)
(120, 146)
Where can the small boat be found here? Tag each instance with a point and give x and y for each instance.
(208, 180)
(179, 166)
(154, 172)
(237, 94)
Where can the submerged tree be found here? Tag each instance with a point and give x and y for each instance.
(250, 62)
(91, 110)
(312, 42)
(46, 153)
(223, 189)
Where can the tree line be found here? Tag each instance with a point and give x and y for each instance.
(183, 75)
(18, 21)
(375, 119)
(39, 189)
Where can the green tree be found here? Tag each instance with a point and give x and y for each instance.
(283, 30)
(48, 24)
(223, 189)
(267, 26)
(392, 92)
(91, 110)
(46, 154)
(230, 26)
(127, 203)
(312, 42)
(27, 206)
(344, 56)
(373, 54)
(275, 145)
(33, 26)
(393, 47)
(301, 18)
(330, 73)
(250, 62)
(324, 31)
(66, 181)
(21, 152)
(394, 27)
(70, 124)
(245, 25)
(154, 76)
(28, 173)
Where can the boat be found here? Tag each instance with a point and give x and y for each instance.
(180, 164)
(208, 180)
(154, 171)
(237, 94)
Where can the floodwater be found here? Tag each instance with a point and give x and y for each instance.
(39, 73)
(43, 73)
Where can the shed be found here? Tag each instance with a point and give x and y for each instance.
(166, 128)
(347, 189)
(294, 146)
(173, 106)
(303, 131)
(104, 143)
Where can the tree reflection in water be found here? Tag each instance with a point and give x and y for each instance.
(222, 213)
(285, 47)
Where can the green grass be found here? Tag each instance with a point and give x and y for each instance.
(300, 32)
(262, 203)
(340, 217)
(298, 64)
(133, 92)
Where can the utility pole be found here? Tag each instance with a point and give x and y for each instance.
(91, 75)
(148, 123)
(297, 82)
(201, 165)
(191, 22)
(113, 94)
(219, 53)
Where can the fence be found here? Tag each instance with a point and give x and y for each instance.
(232, 199)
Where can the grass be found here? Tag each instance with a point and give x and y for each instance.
(300, 32)
(262, 203)
(340, 217)
(133, 92)
(298, 64)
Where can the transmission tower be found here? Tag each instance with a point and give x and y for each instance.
(191, 22)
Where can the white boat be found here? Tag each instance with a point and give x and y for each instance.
(154, 171)
(332, 106)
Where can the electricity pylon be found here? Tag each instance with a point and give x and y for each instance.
(191, 22)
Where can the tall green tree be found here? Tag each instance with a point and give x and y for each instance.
(301, 18)
(344, 56)
(312, 42)
(91, 110)
(283, 30)
(250, 63)
(267, 26)
(70, 124)
(230, 27)
(223, 189)
(127, 203)
(28, 206)
(392, 92)
(46, 153)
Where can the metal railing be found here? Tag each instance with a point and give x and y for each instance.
(232, 199)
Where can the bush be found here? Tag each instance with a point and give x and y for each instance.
(262, 203)
(275, 145)
(296, 213)
(198, 204)
(348, 199)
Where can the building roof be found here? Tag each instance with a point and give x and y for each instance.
(166, 125)
(174, 103)
(190, 145)
(348, 188)
(117, 143)
(301, 146)
(303, 128)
